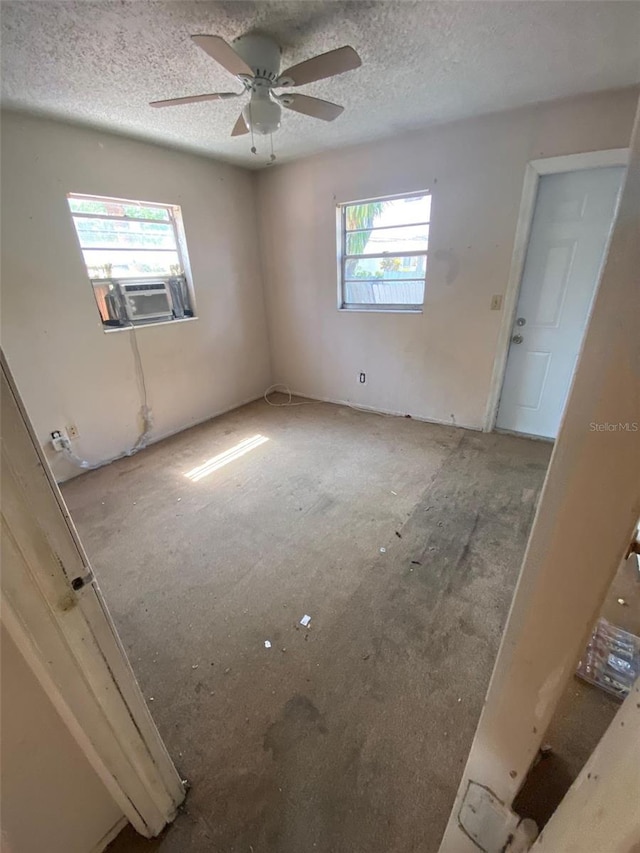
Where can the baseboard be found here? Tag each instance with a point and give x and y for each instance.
(388, 412)
(108, 837)
(157, 438)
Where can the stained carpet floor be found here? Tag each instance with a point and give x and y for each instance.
(402, 540)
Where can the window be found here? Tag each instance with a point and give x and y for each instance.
(134, 259)
(383, 252)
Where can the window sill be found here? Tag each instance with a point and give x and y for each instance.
(149, 325)
(379, 310)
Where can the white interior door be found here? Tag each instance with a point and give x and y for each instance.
(53, 610)
(571, 224)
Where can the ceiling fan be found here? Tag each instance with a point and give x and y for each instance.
(255, 60)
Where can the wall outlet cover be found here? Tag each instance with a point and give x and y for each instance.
(72, 431)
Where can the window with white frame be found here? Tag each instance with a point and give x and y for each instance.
(135, 259)
(383, 252)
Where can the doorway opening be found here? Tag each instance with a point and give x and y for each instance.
(603, 679)
(567, 213)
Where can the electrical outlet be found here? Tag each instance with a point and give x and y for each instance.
(72, 431)
(362, 378)
(496, 302)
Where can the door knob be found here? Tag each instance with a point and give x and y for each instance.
(517, 339)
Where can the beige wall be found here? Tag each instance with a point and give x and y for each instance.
(436, 365)
(52, 799)
(67, 369)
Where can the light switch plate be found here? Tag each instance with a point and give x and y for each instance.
(496, 302)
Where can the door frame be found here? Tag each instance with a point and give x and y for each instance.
(586, 518)
(532, 174)
(55, 614)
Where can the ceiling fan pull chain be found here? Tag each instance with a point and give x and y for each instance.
(253, 147)
(273, 156)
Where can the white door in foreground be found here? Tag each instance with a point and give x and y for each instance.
(569, 233)
(54, 612)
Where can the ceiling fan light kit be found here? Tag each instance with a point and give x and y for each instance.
(254, 59)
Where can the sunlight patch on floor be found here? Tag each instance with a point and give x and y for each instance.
(222, 459)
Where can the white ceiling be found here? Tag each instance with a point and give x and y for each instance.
(100, 63)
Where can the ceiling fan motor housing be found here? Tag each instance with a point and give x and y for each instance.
(262, 55)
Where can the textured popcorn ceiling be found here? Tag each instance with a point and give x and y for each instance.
(100, 63)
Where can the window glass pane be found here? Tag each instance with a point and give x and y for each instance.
(116, 233)
(107, 263)
(398, 211)
(410, 238)
(384, 292)
(112, 207)
(390, 268)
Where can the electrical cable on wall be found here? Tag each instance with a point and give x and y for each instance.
(145, 413)
(286, 390)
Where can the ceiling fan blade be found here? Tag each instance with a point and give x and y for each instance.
(325, 65)
(218, 49)
(194, 99)
(312, 106)
(240, 127)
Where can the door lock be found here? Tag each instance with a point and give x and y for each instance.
(520, 321)
(517, 339)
